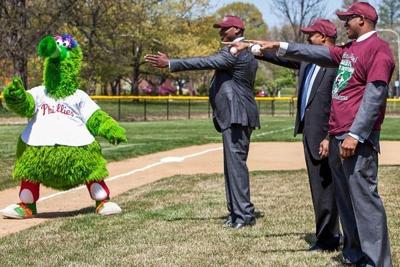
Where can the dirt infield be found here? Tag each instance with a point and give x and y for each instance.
(132, 173)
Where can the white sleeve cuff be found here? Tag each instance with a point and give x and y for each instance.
(283, 46)
(358, 138)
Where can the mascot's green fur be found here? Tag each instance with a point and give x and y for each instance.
(60, 167)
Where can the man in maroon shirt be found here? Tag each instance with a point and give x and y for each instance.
(365, 66)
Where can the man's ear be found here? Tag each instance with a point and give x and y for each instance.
(361, 21)
(324, 38)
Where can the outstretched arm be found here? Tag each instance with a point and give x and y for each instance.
(221, 61)
(18, 100)
(320, 55)
(101, 124)
(316, 54)
(264, 55)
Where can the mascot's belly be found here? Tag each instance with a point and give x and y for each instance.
(60, 167)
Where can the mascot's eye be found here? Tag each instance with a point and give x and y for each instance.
(67, 43)
(58, 42)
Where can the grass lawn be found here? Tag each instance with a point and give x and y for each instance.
(154, 136)
(177, 222)
(149, 137)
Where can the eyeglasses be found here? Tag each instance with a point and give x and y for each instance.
(353, 17)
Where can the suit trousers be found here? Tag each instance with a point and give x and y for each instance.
(236, 142)
(324, 201)
(360, 207)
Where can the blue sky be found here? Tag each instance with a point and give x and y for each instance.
(272, 19)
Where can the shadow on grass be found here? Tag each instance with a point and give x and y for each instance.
(283, 250)
(64, 214)
(308, 237)
(257, 214)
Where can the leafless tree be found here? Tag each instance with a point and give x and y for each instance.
(23, 23)
(389, 13)
(300, 13)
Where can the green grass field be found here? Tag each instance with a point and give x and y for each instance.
(155, 136)
(178, 222)
(149, 137)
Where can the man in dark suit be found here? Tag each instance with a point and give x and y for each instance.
(313, 108)
(235, 112)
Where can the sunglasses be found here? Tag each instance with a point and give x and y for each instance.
(349, 18)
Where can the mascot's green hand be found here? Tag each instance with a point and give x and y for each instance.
(117, 135)
(17, 99)
(15, 88)
(101, 124)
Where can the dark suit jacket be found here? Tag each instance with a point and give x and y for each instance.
(316, 117)
(231, 90)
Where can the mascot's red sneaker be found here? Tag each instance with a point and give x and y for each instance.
(106, 207)
(20, 211)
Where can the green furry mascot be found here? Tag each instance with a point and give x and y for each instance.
(57, 148)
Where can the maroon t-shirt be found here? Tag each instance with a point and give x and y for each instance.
(359, 63)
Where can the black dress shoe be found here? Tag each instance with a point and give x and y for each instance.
(319, 248)
(361, 263)
(228, 221)
(244, 224)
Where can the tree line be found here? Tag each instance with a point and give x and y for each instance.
(115, 36)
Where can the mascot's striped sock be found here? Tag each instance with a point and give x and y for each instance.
(98, 190)
(29, 194)
(101, 194)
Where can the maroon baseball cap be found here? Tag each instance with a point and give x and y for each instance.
(361, 9)
(323, 26)
(230, 21)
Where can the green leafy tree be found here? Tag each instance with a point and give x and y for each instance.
(282, 78)
(250, 14)
(151, 26)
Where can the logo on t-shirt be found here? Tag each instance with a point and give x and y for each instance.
(344, 74)
(60, 108)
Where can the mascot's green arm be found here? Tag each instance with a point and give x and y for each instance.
(101, 124)
(18, 100)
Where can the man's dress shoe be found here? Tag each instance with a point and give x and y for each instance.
(228, 221)
(244, 224)
(317, 247)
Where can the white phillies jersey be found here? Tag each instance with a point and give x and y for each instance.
(59, 121)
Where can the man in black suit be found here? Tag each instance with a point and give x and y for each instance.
(235, 112)
(313, 108)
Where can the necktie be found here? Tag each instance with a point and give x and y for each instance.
(305, 88)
